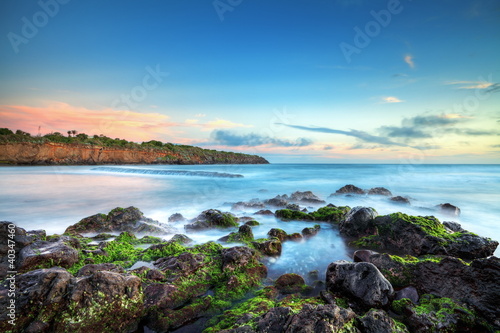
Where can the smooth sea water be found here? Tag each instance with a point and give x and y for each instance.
(55, 197)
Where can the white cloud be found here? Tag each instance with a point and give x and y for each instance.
(409, 60)
(471, 84)
(391, 99)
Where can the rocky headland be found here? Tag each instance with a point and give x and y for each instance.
(114, 273)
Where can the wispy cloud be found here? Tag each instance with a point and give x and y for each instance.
(232, 139)
(354, 133)
(473, 84)
(409, 60)
(391, 99)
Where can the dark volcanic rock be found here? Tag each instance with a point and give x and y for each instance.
(183, 264)
(475, 284)
(453, 226)
(43, 296)
(358, 221)
(377, 321)
(306, 197)
(449, 209)
(9, 231)
(312, 318)
(401, 200)
(176, 218)
(181, 239)
(119, 219)
(270, 247)
(349, 189)
(290, 283)
(361, 281)
(417, 235)
(409, 292)
(253, 204)
(93, 268)
(278, 201)
(277, 233)
(244, 234)
(43, 253)
(380, 191)
(212, 218)
(311, 231)
(363, 255)
(264, 212)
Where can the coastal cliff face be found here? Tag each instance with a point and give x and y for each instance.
(50, 153)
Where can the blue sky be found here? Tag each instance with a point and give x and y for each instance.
(270, 78)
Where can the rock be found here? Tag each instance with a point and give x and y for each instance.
(363, 255)
(264, 212)
(93, 268)
(181, 265)
(380, 191)
(271, 247)
(453, 226)
(20, 238)
(176, 217)
(119, 219)
(155, 275)
(349, 189)
(39, 234)
(102, 301)
(41, 300)
(378, 321)
(410, 293)
(43, 253)
(475, 284)
(181, 239)
(434, 314)
(163, 296)
(417, 235)
(292, 206)
(278, 201)
(244, 234)
(252, 204)
(290, 283)
(103, 236)
(312, 318)
(296, 237)
(237, 256)
(311, 231)
(400, 199)
(277, 233)
(252, 223)
(449, 209)
(358, 222)
(212, 218)
(306, 197)
(361, 281)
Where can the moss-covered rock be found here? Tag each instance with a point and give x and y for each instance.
(212, 218)
(417, 235)
(328, 213)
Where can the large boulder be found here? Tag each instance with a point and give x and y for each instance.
(379, 191)
(358, 221)
(362, 282)
(378, 321)
(417, 235)
(311, 318)
(41, 300)
(449, 209)
(306, 197)
(475, 284)
(47, 253)
(290, 283)
(278, 201)
(102, 301)
(212, 218)
(129, 219)
(349, 189)
(271, 247)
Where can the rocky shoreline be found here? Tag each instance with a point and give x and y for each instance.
(408, 273)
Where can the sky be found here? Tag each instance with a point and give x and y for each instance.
(295, 81)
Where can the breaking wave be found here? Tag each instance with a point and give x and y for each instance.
(169, 172)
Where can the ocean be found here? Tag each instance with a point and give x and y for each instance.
(55, 197)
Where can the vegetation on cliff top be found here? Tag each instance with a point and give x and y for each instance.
(175, 153)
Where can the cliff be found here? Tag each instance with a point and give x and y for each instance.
(50, 153)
